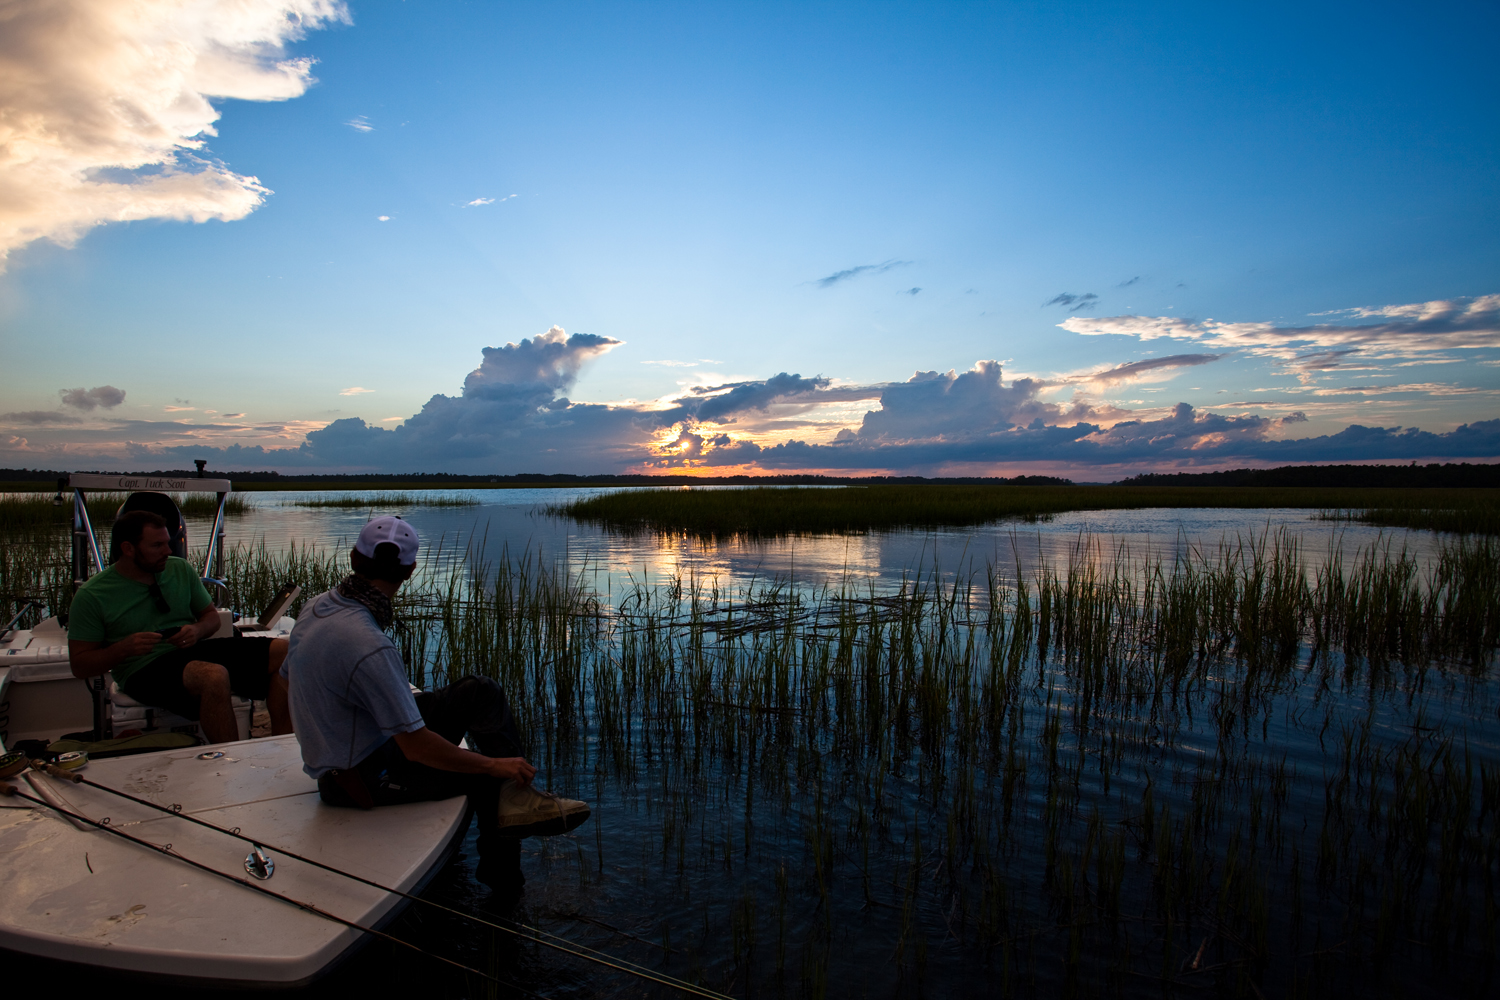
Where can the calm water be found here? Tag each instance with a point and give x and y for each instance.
(516, 520)
(807, 850)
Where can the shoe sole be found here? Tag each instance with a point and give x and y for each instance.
(553, 827)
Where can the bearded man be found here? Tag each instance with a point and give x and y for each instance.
(146, 619)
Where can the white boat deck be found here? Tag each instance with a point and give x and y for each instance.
(84, 895)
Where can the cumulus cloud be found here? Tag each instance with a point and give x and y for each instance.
(726, 403)
(80, 398)
(856, 271)
(550, 362)
(106, 107)
(1419, 328)
(514, 415)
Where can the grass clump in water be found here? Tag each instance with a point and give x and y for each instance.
(1479, 518)
(766, 512)
(364, 501)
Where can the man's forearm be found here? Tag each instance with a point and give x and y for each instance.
(208, 622)
(424, 746)
(87, 663)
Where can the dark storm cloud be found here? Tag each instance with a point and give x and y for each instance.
(38, 418)
(80, 398)
(513, 416)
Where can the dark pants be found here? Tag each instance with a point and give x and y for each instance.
(473, 706)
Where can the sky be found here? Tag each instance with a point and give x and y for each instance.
(1089, 240)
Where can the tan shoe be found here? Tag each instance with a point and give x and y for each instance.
(526, 811)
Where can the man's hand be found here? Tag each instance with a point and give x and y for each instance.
(137, 644)
(185, 636)
(424, 746)
(514, 768)
(90, 659)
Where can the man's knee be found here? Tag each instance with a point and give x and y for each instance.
(277, 655)
(483, 695)
(204, 678)
(480, 689)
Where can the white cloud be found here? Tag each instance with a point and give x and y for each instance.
(1427, 388)
(481, 201)
(382, 218)
(1418, 328)
(106, 107)
(354, 390)
(360, 123)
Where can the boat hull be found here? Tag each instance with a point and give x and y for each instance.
(75, 894)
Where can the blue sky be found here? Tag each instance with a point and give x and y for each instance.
(1092, 239)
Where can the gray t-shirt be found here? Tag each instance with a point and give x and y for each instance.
(348, 685)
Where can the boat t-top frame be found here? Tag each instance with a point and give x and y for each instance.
(87, 558)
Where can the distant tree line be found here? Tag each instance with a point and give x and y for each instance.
(1447, 475)
(457, 479)
(1450, 474)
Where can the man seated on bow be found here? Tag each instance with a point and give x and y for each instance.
(147, 619)
(370, 742)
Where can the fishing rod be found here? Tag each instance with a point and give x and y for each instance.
(8, 790)
(536, 935)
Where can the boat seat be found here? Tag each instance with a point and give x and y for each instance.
(127, 713)
(161, 505)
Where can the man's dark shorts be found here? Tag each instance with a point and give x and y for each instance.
(159, 683)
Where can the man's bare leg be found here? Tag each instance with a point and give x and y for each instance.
(276, 701)
(210, 682)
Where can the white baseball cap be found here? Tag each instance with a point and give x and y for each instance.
(393, 530)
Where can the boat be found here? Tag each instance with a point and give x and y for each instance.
(178, 902)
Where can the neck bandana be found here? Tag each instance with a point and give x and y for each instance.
(357, 588)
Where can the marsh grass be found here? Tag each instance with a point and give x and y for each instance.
(352, 501)
(1478, 518)
(36, 511)
(767, 512)
(1240, 771)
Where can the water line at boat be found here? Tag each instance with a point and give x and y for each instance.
(522, 931)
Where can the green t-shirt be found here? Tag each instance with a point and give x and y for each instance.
(109, 606)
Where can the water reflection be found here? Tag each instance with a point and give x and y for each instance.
(516, 520)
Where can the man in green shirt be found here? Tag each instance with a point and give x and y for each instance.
(147, 618)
